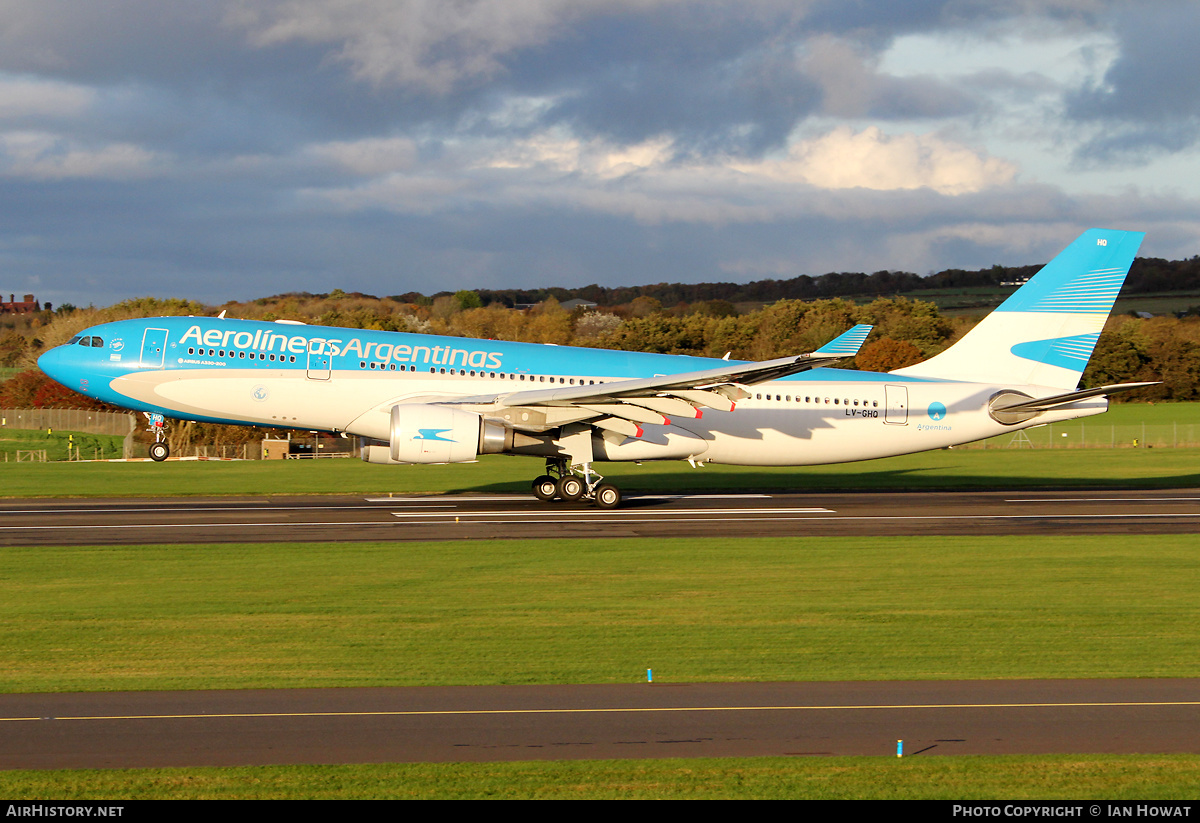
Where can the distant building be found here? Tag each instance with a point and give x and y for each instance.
(22, 307)
(576, 302)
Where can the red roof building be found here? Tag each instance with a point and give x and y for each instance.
(22, 307)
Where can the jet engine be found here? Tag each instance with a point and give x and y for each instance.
(422, 433)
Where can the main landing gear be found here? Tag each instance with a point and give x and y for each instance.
(561, 481)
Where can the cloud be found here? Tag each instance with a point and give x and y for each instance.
(259, 146)
(370, 157)
(429, 45)
(1146, 103)
(870, 159)
(43, 156)
(852, 86)
(653, 184)
(32, 97)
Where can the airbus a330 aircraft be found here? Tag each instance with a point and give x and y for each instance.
(428, 399)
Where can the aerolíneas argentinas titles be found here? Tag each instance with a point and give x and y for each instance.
(429, 399)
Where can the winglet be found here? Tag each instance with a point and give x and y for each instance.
(846, 344)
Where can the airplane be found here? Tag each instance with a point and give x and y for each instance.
(421, 398)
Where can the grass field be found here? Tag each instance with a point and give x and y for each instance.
(945, 469)
(1152, 425)
(597, 611)
(1055, 777)
(59, 445)
(980, 300)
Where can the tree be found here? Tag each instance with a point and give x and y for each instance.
(887, 354)
(468, 300)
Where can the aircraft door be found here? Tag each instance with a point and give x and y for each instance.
(154, 348)
(896, 398)
(319, 361)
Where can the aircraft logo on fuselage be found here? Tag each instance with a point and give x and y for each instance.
(269, 340)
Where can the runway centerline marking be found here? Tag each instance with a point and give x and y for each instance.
(617, 710)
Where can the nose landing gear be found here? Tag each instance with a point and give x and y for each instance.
(571, 483)
(159, 450)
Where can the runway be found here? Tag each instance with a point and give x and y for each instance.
(487, 517)
(231, 728)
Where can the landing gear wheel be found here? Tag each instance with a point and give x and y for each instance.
(159, 452)
(571, 487)
(608, 496)
(545, 488)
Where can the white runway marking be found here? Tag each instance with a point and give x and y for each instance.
(608, 513)
(509, 498)
(1104, 500)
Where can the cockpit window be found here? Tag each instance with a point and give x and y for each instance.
(96, 342)
(74, 340)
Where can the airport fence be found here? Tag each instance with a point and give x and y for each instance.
(75, 420)
(1079, 434)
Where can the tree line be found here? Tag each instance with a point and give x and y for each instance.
(906, 331)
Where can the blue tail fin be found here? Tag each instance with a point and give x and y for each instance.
(1045, 332)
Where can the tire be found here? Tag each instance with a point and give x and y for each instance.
(159, 452)
(608, 496)
(571, 487)
(545, 488)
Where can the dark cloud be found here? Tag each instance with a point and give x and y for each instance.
(1147, 102)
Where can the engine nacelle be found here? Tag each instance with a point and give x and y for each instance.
(422, 433)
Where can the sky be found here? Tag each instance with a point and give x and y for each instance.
(236, 149)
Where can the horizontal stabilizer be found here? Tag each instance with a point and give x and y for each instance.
(1057, 401)
(1013, 407)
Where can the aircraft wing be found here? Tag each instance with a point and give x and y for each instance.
(620, 405)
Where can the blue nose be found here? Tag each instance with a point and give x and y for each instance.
(60, 364)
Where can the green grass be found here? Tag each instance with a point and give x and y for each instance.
(979, 300)
(1154, 425)
(1053, 777)
(945, 469)
(56, 445)
(597, 611)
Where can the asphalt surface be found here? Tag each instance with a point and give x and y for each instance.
(128, 521)
(229, 728)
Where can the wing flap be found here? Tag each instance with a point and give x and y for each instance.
(618, 406)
